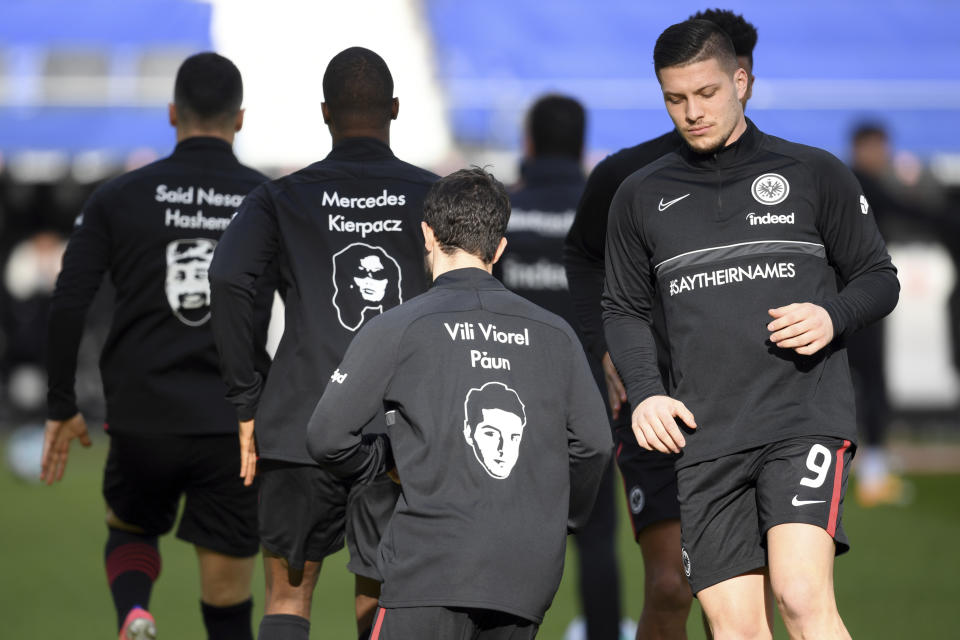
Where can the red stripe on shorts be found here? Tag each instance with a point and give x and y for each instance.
(837, 486)
(378, 625)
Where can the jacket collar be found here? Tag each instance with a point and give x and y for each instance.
(550, 171)
(741, 150)
(360, 149)
(467, 278)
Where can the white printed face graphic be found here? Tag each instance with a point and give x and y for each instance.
(371, 288)
(366, 282)
(187, 286)
(493, 427)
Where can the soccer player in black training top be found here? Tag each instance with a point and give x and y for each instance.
(543, 208)
(495, 428)
(345, 231)
(171, 430)
(764, 255)
(649, 477)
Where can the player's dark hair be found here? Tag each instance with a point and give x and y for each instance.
(208, 89)
(493, 395)
(556, 124)
(742, 33)
(691, 42)
(358, 89)
(866, 130)
(469, 210)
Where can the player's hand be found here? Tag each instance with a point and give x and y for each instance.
(248, 453)
(616, 392)
(804, 327)
(56, 446)
(654, 425)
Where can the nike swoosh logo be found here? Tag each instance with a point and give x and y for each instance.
(799, 503)
(663, 205)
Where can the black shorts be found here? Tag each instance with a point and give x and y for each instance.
(727, 505)
(369, 509)
(443, 623)
(649, 481)
(306, 513)
(146, 475)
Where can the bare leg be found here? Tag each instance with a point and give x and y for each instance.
(666, 592)
(740, 608)
(367, 593)
(801, 573)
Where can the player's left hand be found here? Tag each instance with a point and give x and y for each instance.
(56, 446)
(248, 453)
(804, 327)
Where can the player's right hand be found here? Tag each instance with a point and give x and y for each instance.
(56, 446)
(616, 392)
(654, 425)
(248, 453)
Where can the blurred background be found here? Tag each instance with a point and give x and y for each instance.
(84, 87)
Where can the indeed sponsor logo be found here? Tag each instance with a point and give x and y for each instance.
(730, 275)
(770, 218)
(203, 196)
(385, 199)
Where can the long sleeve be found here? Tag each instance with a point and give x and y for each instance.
(588, 439)
(627, 301)
(354, 398)
(583, 256)
(86, 260)
(245, 252)
(870, 288)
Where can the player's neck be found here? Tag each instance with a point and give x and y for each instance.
(440, 262)
(184, 133)
(383, 135)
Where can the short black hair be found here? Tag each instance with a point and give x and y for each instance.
(469, 210)
(208, 89)
(358, 88)
(742, 33)
(556, 125)
(693, 41)
(868, 129)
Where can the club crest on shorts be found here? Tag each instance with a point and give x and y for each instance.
(637, 500)
(686, 562)
(770, 189)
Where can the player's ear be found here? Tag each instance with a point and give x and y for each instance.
(394, 108)
(500, 249)
(742, 81)
(325, 111)
(172, 114)
(238, 123)
(429, 239)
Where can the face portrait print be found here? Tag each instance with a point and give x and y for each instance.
(493, 427)
(187, 286)
(366, 282)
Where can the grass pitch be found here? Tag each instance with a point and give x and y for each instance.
(899, 581)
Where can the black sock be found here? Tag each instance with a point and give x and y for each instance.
(228, 623)
(133, 564)
(280, 626)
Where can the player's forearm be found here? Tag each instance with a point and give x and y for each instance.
(346, 453)
(586, 471)
(585, 281)
(864, 300)
(232, 320)
(634, 353)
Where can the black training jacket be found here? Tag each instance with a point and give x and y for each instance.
(498, 434)
(154, 230)
(346, 234)
(723, 238)
(585, 245)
